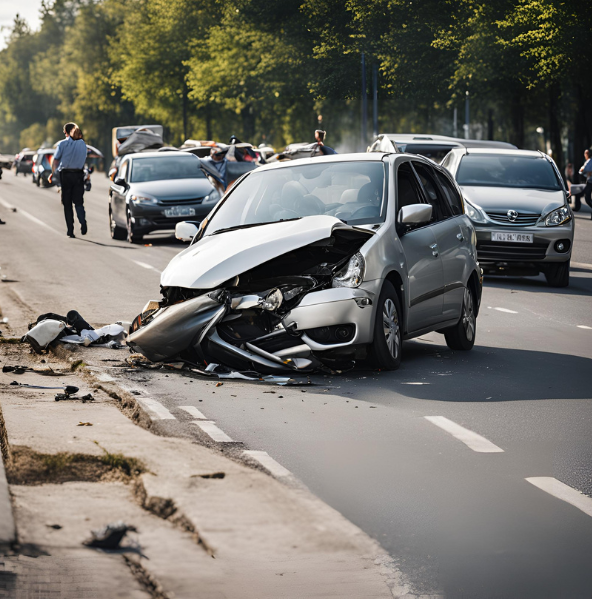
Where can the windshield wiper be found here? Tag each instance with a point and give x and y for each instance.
(248, 226)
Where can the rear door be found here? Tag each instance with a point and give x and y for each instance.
(452, 241)
(424, 267)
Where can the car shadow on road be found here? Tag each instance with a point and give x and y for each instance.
(578, 285)
(486, 374)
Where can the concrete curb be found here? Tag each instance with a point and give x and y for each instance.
(7, 525)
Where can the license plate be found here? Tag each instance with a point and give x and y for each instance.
(176, 211)
(515, 237)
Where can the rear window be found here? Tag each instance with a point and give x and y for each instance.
(165, 168)
(433, 152)
(491, 170)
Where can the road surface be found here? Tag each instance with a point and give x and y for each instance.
(474, 470)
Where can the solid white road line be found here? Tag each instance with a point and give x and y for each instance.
(506, 310)
(562, 491)
(147, 266)
(193, 411)
(210, 428)
(473, 440)
(268, 462)
(154, 408)
(583, 326)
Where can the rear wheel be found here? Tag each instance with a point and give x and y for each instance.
(117, 232)
(462, 335)
(132, 236)
(387, 345)
(557, 274)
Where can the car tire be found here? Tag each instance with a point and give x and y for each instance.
(116, 231)
(557, 274)
(387, 346)
(132, 237)
(462, 335)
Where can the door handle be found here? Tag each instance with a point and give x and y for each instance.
(460, 237)
(434, 248)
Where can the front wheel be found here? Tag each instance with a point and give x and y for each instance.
(387, 345)
(462, 335)
(557, 274)
(116, 231)
(132, 236)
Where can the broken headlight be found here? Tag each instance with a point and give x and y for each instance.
(353, 274)
(273, 300)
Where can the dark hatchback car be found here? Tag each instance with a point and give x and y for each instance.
(153, 191)
(42, 168)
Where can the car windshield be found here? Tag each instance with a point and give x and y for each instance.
(350, 191)
(497, 170)
(157, 168)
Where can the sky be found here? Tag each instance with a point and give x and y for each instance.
(27, 9)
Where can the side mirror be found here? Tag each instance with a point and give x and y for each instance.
(120, 182)
(112, 173)
(415, 214)
(185, 231)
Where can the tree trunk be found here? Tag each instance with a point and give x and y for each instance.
(517, 117)
(581, 133)
(555, 128)
(185, 102)
(248, 116)
(209, 134)
(490, 124)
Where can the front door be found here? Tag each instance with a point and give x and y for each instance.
(424, 266)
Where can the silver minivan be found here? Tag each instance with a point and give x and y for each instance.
(317, 262)
(519, 207)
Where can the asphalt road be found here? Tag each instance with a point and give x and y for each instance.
(459, 521)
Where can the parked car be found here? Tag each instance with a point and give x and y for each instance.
(42, 167)
(434, 147)
(320, 261)
(519, 207)
(23, 162)
(153, 191)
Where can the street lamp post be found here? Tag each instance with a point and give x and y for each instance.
(467, 123)
(364, 105)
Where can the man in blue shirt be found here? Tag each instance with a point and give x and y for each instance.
(68, 161)
(586, 170)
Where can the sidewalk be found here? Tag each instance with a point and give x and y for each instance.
(207, 526)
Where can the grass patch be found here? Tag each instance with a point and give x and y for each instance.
(28, 467)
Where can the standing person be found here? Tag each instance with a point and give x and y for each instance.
(586, 170)
(320, 139)
(68, 161)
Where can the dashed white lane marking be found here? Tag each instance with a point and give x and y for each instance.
(581, 265)
(473, 440)
(562, 491)
(506, 310)
(210, 428)
(154, 408)
(31, 217)
(583, 326)
(193, 411)
(147, 266)
(268, 462)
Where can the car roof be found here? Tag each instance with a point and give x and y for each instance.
(500, 152)
(444, 140)
(354, 157)
(163, 155)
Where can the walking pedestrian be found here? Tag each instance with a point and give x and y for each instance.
(586, 170)
(68, 163)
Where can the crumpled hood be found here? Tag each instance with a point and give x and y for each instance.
(217, 258)
(500, 199)
(173, 189)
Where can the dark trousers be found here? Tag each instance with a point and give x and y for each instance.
(73, 194)
(587, 193)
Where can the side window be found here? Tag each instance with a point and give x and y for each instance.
(452, 196)
(123, 171)
(408, 191)
(440, 208)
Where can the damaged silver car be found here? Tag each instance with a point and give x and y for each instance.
(318, 263)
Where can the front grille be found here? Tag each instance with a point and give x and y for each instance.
(181, 202)
(488, 251)
(524, 219)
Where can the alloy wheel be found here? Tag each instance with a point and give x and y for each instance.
(390, 322)
(468, 317)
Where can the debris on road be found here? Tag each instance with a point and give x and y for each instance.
(110, 536)
(84, 424)
(68, 389)
(43, 371)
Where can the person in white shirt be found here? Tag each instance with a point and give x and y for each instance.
(586, 170)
